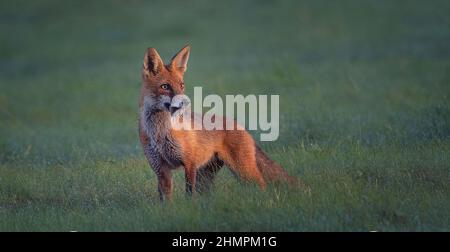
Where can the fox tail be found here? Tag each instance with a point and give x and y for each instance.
(273, 172)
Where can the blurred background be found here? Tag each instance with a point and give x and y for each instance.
(371, 70)
(351, 75)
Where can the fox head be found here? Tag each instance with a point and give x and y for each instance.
(161, 82)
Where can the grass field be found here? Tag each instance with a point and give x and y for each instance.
(365, 113)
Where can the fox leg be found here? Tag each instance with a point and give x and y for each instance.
(190, 175)
(163, 173)
(250, 172)
(243, 163)
(206, 175)
(165, 186)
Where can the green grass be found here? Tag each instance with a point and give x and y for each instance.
(365, 113)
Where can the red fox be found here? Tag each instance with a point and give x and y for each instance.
(201, 152)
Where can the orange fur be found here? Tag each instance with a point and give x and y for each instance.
(200, 152)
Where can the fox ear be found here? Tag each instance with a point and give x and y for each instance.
(152, 62)
(180, 60)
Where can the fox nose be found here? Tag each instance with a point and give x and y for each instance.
(179, 102)
(175, 106)
(167, 105)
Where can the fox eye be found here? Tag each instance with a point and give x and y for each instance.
(165, 86)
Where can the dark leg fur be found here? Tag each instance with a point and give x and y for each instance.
(165, 186)
(206, 175)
